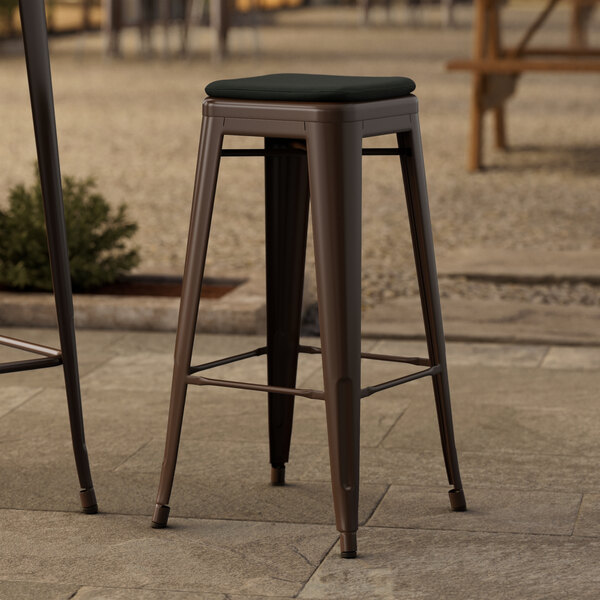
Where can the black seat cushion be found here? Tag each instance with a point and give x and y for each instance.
(300, 87)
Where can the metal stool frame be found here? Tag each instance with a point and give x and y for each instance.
(313, 152)
(35, 35)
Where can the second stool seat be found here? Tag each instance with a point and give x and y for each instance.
(313, 126)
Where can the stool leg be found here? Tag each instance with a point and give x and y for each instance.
(413, 172)
(286, 215)
(334, 162)
(33, 19)
(207, 169)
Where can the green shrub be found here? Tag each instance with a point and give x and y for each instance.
(96, 236)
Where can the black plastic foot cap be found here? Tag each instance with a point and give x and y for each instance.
(88, 501)
(348, 544)
(457, 500)
(278, 475)
(160, 517)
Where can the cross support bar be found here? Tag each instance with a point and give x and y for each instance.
(28, 346)
(31, 364)
(51, 357)
(257, 387)
(308, 393)
(302, 152)
(373, 389)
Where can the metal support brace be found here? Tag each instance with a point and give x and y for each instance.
(300, 151)
(51, 357)
(308, 393)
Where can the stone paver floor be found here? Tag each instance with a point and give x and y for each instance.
(527, 421)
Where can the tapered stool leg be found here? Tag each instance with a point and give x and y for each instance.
(413, 172)
(204, 193)
(33, 19)
(286, 215)
(334, 160)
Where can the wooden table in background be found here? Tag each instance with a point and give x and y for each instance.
(496, 69)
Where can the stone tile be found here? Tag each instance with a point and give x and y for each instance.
(141, 371)
(93, 348)
(522, 387)
(220, 458)
(477, 353)
(154, 370)
(378, 415)
(489, 321)
(109, 593)
(225, 496)
(239, 415)
(41, 487)
(228, 480)
(588, 522)
(89, 341)
(494, 510)
(507, 469)
(396, 564)
(532, 387)
(192, 555)
(27, 590)
(217, 346)
(12, 397)
(572, 358)
(105, 593)
(38, 433)
(213, 480)
(489, 427)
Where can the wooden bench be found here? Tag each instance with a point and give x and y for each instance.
(497, 69)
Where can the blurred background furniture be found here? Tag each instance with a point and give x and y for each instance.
(496, 69)
(447, 10)
(144, 13)
(33, 19)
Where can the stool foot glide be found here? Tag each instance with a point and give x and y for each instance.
(33, 21)
(313, 126)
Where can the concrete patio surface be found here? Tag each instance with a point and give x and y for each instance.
(527, 421)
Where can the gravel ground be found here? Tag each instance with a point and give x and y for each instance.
(134, 124)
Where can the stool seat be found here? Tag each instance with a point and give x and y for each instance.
(301, 87)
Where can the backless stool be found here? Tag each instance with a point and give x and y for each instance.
(313, 127)
(33, 23)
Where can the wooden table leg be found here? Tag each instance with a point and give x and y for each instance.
(480, 27)
(494, 52)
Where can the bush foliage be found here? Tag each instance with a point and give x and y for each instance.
(97, 238)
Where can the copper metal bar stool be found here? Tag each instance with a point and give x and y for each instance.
(313, 127)
(33, 23)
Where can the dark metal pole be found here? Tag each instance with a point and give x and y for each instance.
(35, 35)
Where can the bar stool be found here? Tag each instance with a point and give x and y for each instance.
(35, 35)
(313, 127)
